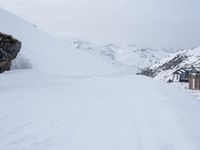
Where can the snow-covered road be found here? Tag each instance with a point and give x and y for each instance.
(114, 112)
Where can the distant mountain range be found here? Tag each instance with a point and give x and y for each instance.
(131, 57)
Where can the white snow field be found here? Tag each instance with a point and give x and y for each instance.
(69, 100)
(114, 112)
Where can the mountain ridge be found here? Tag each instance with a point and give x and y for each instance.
(129, 56)
(163, 69)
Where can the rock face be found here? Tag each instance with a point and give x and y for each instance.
(163, 70)
(9, 48)
(169, 65)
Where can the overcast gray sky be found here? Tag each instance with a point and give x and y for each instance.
(153, 23)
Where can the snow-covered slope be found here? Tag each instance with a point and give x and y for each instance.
(165, 67)
(131, 57)
(47, 54)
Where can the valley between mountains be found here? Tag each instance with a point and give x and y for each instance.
(74, 95)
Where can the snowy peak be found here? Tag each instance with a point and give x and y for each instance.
(131, 57)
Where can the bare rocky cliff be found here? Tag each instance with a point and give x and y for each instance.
(164, 69)
(9, 49)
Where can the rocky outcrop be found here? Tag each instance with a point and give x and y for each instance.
(169, 65)
(9, 48)
(164, 69)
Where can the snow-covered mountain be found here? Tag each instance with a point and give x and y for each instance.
(69, 99)
(47, 54)
(165, 67)
(132, 58)
(65, 54)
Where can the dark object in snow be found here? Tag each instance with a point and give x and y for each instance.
(9, 48)
(169, 81)
(181, 75)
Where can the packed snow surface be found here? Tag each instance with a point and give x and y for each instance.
(70, 100)
(95, 112)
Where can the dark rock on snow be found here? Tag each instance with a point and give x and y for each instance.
(169, 65)
(9, 48)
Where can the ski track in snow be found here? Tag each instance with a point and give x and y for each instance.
(100, 112)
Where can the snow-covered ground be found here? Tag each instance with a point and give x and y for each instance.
(69, 99)
(185, 86)
(95, 112)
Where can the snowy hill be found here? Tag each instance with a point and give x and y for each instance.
(46, 54)
(165, 67)
(131, 57)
